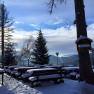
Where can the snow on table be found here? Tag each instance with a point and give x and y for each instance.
(68, 87)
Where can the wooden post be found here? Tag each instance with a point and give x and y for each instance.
(2, 37)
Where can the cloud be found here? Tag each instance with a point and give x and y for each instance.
(60, 40)
(57, 40)
(90, 33)
(36, 12)
(17, 22)
(21, 35)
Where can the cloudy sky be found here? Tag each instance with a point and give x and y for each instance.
(58, 28)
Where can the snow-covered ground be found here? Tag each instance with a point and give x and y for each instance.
(13, 86)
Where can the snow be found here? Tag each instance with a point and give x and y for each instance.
(17, 68)
(84, 46)
(73, 73)
(1, 70)
(17, 74)
(13, 72)
(13, 86)
(32, 78)
(82, 38)
(45, 77)
(40, 69)
(70, 68)
(4, 90)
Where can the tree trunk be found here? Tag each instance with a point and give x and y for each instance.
(86, 72)
(2, 38)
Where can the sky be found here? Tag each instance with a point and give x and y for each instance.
(58, 27)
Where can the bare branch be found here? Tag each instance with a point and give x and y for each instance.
(52, 4)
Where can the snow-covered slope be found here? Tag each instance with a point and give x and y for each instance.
(13, 86)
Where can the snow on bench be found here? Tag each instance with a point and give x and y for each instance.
(22, 68)
(32, 78)
(44, 77)
(17, 74)
(70, 68)
(29, 73)
(1, 71)
(45, 74)
(40, 69)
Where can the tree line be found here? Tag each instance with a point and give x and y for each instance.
(39, 55)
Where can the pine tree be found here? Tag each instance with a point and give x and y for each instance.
(5, 24)
(6, 36)
(40, 51)
(10, 55)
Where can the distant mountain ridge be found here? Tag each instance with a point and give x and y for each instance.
(67, 61)
(72, 60)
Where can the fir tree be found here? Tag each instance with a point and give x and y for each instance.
(6, 29)
(40, 51)
(10, 55)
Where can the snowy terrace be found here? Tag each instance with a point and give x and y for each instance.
(13, 86)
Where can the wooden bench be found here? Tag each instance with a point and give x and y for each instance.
(45, 74)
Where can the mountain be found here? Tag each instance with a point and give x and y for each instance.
(66, 61)
(72, 60)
